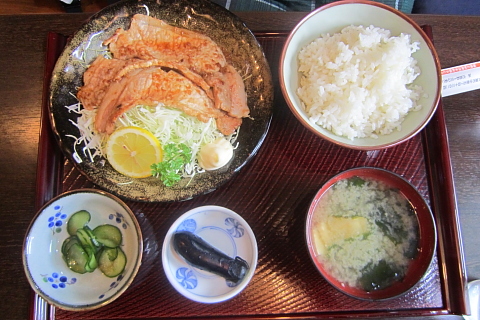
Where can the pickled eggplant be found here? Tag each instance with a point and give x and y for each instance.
(204, 256)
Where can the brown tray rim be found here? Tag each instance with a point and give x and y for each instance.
(438, 163)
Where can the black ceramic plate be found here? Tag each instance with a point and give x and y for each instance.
(241, 50)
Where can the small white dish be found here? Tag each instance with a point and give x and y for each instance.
(226, 231)
(45, 268)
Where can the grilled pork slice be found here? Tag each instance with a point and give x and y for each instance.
(153, 85)
(104, 71)
(229, 92)
(153, 39)
(179, 67)
(238, 95)
(227, 124)
(158, 63)
(98, 77)
(149, 38)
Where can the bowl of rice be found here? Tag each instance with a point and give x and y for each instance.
(370, 234)
(360, 74)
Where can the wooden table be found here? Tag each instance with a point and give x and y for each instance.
(22, 51)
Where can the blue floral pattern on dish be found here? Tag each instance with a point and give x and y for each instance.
(188, 225)
(113, 285)
(57, 220)
(234, 228)
(186, 278)
(119, 218)
(58, 281)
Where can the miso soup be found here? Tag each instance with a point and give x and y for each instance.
(365, 233)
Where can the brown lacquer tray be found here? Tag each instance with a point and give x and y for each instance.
(272, 193)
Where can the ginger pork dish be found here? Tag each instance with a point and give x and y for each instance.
(158, 101)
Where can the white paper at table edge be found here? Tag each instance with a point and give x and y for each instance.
(454, 83)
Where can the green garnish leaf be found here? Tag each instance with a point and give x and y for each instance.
(357, 181)
(174, 159)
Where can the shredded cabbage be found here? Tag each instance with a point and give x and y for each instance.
(173, 126)
(169, 125)
(93, 142)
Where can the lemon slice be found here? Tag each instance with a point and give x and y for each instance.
(132, 150)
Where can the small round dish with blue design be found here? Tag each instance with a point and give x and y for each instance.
(99, 226)
(224, 232)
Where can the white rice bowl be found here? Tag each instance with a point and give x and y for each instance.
(367, 91)
(359, 82)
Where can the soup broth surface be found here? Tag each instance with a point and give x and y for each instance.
(365, 233)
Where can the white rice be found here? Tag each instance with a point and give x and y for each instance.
(359, 82)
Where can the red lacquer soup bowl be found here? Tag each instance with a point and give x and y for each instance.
(370, 233)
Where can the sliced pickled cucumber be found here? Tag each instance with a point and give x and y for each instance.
(77, 258)
(86, 249)
(89, 232)
(86, 240)
(108, 235)
(112, 268)
(68, 243)
(92, 263)
(111, 254)
(77, 221)
(89, 247)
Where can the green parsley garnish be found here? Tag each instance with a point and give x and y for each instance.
(174, 159)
